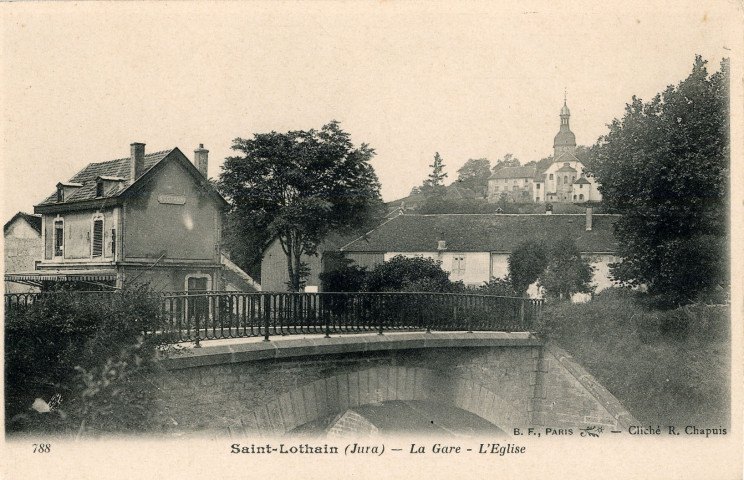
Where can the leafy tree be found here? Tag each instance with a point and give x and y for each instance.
(434, 184)
(665, 166)
(509, 160)
(474, 174)
(245, 239)
(567, 273)
(299, 186)
(526, 263)
(409, 274)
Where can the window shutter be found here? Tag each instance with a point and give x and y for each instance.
(97, 238)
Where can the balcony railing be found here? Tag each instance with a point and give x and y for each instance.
(217, 315)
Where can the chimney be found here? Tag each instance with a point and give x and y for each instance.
(201, 159)
(137, 156)
(548, 209)
(588, 219)
(441, 245)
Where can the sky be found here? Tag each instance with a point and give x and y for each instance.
(80, 82)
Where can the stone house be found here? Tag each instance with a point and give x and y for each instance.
(150, 218)
(23, 247)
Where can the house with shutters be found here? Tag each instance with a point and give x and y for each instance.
(146, 218)
(475, 248)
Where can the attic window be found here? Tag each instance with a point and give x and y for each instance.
(60, 194)
(99, 188)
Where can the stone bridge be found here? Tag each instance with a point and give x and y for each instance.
(257, 388)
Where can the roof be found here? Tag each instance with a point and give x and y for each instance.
(581, 180)
(485, 233)
(118, 173)
(566, 168)
(33, 220)
(119, 168)
(514, 172)
(566, 157)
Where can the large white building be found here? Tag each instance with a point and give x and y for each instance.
(563, 181)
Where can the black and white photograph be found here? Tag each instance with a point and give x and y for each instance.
(367, 239)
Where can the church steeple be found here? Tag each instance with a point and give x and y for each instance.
(565, 140)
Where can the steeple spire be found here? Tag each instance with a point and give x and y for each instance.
(565, 140)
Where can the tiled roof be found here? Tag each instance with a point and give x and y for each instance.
(581, 180)
(514, 172)
(566, 168)
(485, 233)
(33, 220)
(566, 157)
(113, 168)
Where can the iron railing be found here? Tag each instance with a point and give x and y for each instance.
(216, 315)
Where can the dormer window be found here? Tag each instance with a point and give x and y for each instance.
(99, 188)
(60, 193)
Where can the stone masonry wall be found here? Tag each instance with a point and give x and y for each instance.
(270, 389)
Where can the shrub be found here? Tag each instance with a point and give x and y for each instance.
(501, 287)
(409, 274)
(90, 349)
(342, 274)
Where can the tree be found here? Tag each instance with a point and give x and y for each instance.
(567, 273)
(509, 160)
(299, 186)
(434, 184)
(526, 263)
(665, 166)
(474, 174)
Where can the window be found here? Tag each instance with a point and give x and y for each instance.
(581, 196)
(99, 189)
(59, 237)
(113, 241)
(551, 176)
(574, 197)
(581, 185)
(515, 188)
(496, 188)
(60, 194)
(538, 186)
(565, 178)
(97, 244)
(558, 180)
(458, 266)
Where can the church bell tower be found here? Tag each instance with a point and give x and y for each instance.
(565, 140)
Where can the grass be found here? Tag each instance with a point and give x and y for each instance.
(666, 367)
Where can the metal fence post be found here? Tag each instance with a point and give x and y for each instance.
(267, 314)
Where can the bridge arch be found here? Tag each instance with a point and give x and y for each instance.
(337, 393)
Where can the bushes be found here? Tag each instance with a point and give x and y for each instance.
(399, 274)
(90, 349)
(667, 367)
